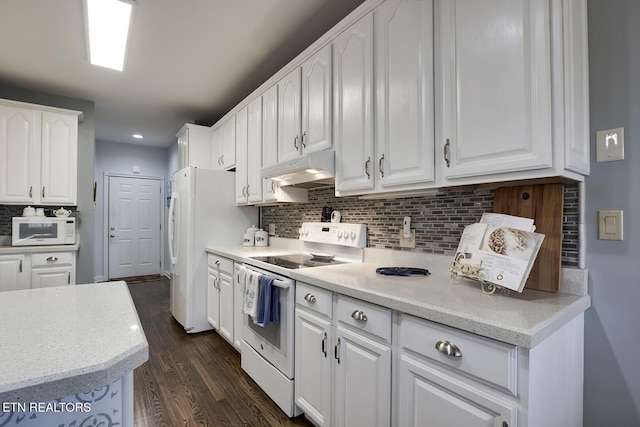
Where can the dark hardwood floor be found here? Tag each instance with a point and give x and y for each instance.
(193, 379)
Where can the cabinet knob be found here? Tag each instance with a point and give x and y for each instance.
(310, 298)
(448, 348)
(359, 316)
(52, 259)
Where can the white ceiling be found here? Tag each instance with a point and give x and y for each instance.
(188, 60)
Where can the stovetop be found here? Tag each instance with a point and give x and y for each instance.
(295, 261)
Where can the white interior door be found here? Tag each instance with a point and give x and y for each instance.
(134, 226)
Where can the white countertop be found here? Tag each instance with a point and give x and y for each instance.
(524, 319)
(6, 249)
(58, 341)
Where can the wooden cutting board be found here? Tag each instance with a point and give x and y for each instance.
(544, 204)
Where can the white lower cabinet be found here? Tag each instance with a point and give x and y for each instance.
(343, 359)
(13, 272)
(350, 372)
(220, 296)
(37, 270)
(53, 269)
(444, 377)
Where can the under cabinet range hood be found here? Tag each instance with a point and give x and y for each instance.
(307, 171)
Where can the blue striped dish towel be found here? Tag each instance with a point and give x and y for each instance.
(268, 306)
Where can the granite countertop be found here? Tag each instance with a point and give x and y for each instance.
(58, 341)
(524, 319)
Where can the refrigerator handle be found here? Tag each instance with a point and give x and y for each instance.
(170, 231)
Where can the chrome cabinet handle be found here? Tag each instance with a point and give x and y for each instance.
(243, 191)
(20, 266)
(248, 186)
(359, 316)
(336, 351)
(448, 348)
(43, 191)
(310, 298)
(324, 344)
(295, 142)
(366, 167)
(380, 166)
(304, 134)
(68, 278)
(31, 192)
(52, 259)
(273, 186)
(447, 154)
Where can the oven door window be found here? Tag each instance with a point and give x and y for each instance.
(39, 230)
(271, 334)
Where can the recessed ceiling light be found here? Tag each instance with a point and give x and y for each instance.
(108, 23)
(137, 136)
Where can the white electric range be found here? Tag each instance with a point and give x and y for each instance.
(268, 352)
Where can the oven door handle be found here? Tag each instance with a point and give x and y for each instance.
(281, 284)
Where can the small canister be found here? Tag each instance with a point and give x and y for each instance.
(247, 239)
(262, 238)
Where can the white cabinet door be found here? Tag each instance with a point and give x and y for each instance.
(353, 105)
(13, 272)
(316, 101)
(216, 148)
(228, 158)
(225, 287)
(59, 159)
(313, 367)
(427, 396)
(238, 305)
(289, 116)
(269, 138)
(254, 152)
(19, 154)
(194, 146)
(51, 276)
(363, 381)
(404, 88)
(493, 86)
(242, 168)
(213, 297)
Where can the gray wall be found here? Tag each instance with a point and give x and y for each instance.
(120, 159)
(612, 376)
(86, 150)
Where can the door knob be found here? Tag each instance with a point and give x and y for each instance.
(113, 228)
(113, 235)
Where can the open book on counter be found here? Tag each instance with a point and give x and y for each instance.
(500, 250)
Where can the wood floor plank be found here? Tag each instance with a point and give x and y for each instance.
(193, 379)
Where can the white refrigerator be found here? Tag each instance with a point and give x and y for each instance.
(202, 212)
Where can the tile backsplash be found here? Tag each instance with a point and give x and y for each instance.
(438, 220)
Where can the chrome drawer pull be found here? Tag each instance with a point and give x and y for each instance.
(448, 348)
(310, 298)
(324, 344)
(52, 259)
(359, 316)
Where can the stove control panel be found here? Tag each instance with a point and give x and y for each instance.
(334, 233)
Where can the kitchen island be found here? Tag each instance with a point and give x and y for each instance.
(67, 355)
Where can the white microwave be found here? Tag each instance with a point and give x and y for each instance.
(36, 231)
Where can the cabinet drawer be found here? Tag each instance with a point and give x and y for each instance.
(51, 258)
(314, 299)
(486, 359)
(378, 319)
(216, 261)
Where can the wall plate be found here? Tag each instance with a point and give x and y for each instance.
(610, 225)
(610, 145)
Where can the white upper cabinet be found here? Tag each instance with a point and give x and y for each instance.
(254, 152)
(39, 162)
(353, 106)
(19, 154)
(404, 89)
(223, 145)
(289, 116)
(494, 77)
(59, 159)
(242, 168)
(316, 101)
(194, 146)
(304, 107)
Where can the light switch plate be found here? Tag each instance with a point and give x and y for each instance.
(610, 225)
(610, 145)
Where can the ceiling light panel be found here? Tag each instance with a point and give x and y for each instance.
(108, 24)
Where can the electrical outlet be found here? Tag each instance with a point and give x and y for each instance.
(408, 242)
(272, 229)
